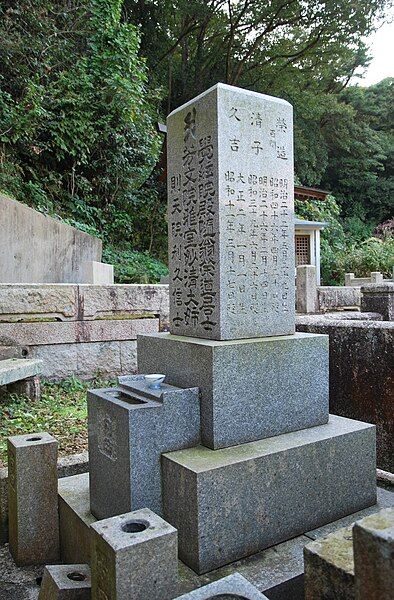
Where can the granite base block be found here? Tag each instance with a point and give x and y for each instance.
(290, 484)
(134, 556)
(329, 567)
(129, 428)
(75, 519)
(65, 582)
(374, 556)
(234, 586)
(250, 389)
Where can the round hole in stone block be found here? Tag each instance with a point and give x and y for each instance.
(227, 597)
(75, 576)
(134, 526)
(34, 439)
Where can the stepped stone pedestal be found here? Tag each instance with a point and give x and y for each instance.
(250, 389)
(234, 502)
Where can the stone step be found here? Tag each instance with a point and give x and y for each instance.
(234, 502)
(15, 369)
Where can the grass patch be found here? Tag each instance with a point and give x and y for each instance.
(61, 411)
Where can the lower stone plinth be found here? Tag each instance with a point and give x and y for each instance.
(250, 389)
(230, 503)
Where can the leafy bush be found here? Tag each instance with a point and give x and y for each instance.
(344, 248)
(77, 136)
(134, 267)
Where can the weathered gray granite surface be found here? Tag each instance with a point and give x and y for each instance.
(231, 215)
(250, 389)
(32, 498)
(329, 567)
(234, 586)
(374, 556)
(290, 483)
(134, 556)
(15, 369)
(379, 298)
(129, 428)
(66, 582)
(75, 519)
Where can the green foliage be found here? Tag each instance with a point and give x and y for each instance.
(346, 247)
(134, 267)
(76, 121)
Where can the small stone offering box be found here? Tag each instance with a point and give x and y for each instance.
(231, 215)
(129, 428)
(134, 556)
(32, 499)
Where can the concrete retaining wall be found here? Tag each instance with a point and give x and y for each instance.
(361, 374)
(37, 248)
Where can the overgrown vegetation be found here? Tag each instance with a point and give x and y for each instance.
(61, 411)
(82, 83)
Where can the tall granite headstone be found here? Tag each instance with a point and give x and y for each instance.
(231, 216)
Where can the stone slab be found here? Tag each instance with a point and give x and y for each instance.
(329, 567)
(75, 332)
(66, 582)
(75, 519)
(97, 273)
(129, 428)
(379, 298)
(385, 499)
(290, 484)
(361, 388)
(38, 301)
(15, 369)
(17, 583)
(32, 499)
(231, 215)
(98, 301)
(87, 360)
(250, 389)
(306, 289)
(234, 586)
(374, 556)
(331, 297)
(134, 556)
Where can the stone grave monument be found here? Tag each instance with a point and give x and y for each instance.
(273, 463)
(236, 450)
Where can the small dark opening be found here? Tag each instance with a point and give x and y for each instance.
(39, 581)
(227, 597)
(34, 439)
(134, 526)
(125, 397)
(75, 576)
(25, 352)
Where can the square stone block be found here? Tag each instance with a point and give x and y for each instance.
(250, 389)
(65, 582)
(329, 567)
(129, 428)
(75, 519)
(234, 586)
(134, 556)
(32, 499)
(373, 539)
(230, 503)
